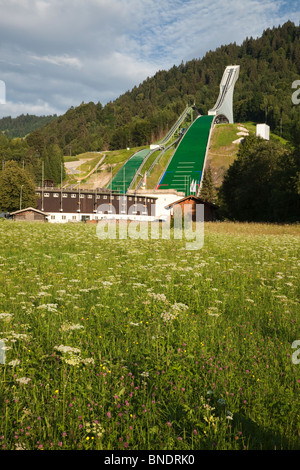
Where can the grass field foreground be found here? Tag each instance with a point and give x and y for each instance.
(141, 344)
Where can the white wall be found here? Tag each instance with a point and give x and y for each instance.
(61, 217)
(263, 130)
(161, 202)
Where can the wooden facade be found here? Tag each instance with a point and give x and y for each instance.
(192, 202)
(29, 214)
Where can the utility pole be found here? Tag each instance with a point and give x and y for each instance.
(42, 185)
(21, 196)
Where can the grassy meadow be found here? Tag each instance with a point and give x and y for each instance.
(141, 344)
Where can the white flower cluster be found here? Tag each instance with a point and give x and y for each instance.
(71, 356)
(160, 297)
(23, 380)
(70, 327)
(67, 349)
(6, 316)
(14, 363)
(48, 307)
(94, 428)
(176, 309)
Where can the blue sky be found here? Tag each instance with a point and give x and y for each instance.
(57, 53)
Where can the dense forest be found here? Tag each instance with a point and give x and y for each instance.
(23, 125)
(268, 67)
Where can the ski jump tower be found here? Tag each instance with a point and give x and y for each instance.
(223, 109)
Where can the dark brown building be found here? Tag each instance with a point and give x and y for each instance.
(78, 204)
(192, 201)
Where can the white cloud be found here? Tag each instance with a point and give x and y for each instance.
(38, 108)
(59, 60)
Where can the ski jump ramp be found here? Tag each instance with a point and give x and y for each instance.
(185, 170)
(127, 175)
(223, 109)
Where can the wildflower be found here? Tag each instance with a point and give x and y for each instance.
(66, 349)
(221, 401)
(14, 363)
(23, 380)
(70, 327)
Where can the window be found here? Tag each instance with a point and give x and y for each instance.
(46, 194)
(55, 195)
(73, 196)
(98, 197)
(38, 194)
(118, 198)
(74, 217)
(90, 196)
(65, 195)
(52, 217)
(63, 217)
(81, 196)
(104, 197)
(130, 199)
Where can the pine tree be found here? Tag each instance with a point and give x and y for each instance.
(208, 191)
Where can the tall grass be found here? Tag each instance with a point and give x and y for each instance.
(140, 344)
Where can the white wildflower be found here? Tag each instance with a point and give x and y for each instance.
(160, 297)
(14, 363)
(66, 349)
(70, 327)
(23, 380)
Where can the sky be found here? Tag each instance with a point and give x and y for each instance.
(55, 54)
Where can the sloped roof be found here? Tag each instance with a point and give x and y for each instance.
(195, 198)
(26, 209)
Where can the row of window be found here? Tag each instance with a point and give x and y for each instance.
(90, 196)
(74, 217)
